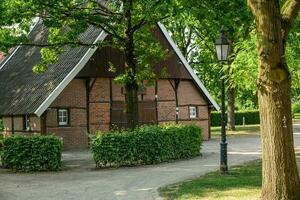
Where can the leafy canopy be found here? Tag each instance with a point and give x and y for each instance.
(66, 20)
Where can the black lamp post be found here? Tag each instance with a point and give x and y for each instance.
(223, 48)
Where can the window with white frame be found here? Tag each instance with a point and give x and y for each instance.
(63, 117)
(193, 112)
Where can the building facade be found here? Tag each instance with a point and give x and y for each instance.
(78, 96)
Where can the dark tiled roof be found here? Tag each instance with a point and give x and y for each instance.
(21, 90)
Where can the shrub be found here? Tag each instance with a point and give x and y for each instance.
(146, 145)
(296, 108)
(1, 135)
(1, 125)
(34, 153)
(251, 117)
(1, 143)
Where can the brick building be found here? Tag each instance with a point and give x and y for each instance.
(78, 96)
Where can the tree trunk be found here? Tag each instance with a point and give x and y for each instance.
(231, 95)
(132, 105)
(131, 85)
(280, 175)
(231, 109)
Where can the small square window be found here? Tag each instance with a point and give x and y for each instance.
(63, 117)
(193, 112)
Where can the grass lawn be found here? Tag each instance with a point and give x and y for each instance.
(243, 183)
(240, 130)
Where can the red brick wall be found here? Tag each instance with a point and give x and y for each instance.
(188, 95)
(75, 136)
(100, 105)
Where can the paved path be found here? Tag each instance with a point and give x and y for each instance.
(82, 182)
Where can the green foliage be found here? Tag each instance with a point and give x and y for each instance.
(1, 136)
(146, 145)
(293, 61)
(1, 125)
(195, 31)
(1, 143)
(296, 107)
(245, 73)
(34, 153)
(129, 23)
(251, 117)
(14, 27)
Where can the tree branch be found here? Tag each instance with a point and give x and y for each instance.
(252, 4)
(290, 11)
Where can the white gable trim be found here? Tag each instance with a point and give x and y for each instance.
(187, 66)
(69, 77)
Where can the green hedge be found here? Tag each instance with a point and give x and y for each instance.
(33, 153)
(251, 117)
(1, 135)
(146, 145)
(296, 108)
(1, 143)
(1, 125)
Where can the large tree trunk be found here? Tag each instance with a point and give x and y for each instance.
(280, 175)
(231, 109)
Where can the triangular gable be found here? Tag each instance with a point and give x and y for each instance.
(188, 67)
(100, 62)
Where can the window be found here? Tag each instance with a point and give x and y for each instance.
(26, 122)
(193, 112)
(63, 117)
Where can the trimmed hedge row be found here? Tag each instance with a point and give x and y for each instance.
(251, 117)
(146, 145)
(1, 125)
(34, 153)
(1, 135)
(1, 143)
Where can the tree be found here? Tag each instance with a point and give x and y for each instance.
(128, 22)
(273, 23)
(195, 31)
